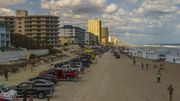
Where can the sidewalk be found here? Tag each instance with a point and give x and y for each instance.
(24, 75)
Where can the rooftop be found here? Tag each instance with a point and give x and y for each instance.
(71, 26)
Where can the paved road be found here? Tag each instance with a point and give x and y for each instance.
(115, 80)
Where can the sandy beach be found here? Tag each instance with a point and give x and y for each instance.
(114, 79)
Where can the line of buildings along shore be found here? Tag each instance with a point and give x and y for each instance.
(45, 30)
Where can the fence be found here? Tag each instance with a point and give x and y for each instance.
(16, 55)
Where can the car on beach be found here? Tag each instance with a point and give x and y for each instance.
(61, 74)
(44, 83)
(7, 99)
(49, 75)
(117, 56)
(6, 92)
(33, 89)
(161, 57)
(45, 78)
(70, 67)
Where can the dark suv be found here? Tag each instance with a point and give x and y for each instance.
(32, 89)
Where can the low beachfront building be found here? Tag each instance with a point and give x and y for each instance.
(69, 34)
(4, 35)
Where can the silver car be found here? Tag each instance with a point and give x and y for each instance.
(6, 92)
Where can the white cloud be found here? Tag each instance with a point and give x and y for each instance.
(6, 11)
(111, 8)
(132, 1)
(149, 17)
(132, 34)
(178, 27)
(165, 6)
(4, 3)
(177, 1)
(58, 4)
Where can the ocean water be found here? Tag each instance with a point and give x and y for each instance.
(152, 52)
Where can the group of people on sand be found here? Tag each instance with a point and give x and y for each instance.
(158, 74)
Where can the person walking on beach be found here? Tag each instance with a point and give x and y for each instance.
(158, 75)
(171, 90)
(6, 74)
(134, 61)
(174, 60)
(142, 65)
(147, 66)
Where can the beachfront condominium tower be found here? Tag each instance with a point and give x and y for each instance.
(105, 35)
(42, 28)
(94, 26)
(4, 35)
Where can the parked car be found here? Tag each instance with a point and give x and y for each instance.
(77, 65)
(117, 56)
(83, 60)
(6, 99)
(70, 67)
(43, 83)
(45, 78)
(49, 75)
(6, 92)
(33, 89)
(61, 74)
(60, 64)
(115, 53)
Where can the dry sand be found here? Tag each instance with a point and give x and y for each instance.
(118, 80)
(25, 74)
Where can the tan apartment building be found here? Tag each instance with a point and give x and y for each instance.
(94, 26)
(105, 35)
(42, 28)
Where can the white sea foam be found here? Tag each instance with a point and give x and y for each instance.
(152, 51)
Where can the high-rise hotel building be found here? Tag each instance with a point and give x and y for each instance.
(105, 35)
(94, 26)
(42, 28)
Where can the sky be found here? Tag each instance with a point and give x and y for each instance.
(133, 21)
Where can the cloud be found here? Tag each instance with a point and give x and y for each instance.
(134, 34)
(4, 3)
(76, 5)
(155, 7)
(146, 19)
(178, 27)
(6, 11)
(177, 1)
(111, 8)
(132, 1)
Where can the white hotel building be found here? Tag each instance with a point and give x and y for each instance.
(4, 35)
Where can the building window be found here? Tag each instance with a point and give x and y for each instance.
(19, 31)
(19, 22)
(19, 18)
(7, 35)
(19, 26)
(2, 35)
